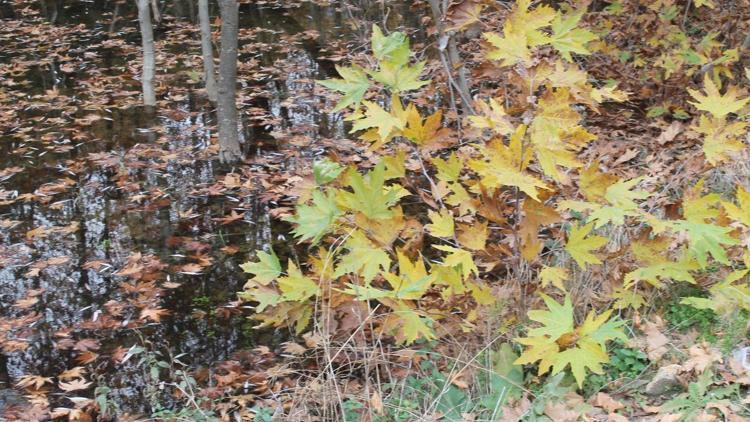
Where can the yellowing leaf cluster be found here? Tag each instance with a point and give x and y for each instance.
(558, 343)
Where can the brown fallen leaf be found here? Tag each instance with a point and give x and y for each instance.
(670, 133)
(86, 357)
(294, 348)
(190, 269)
(701, 357)
(627, 156)
(36, 381)
(376, 402)
(86, 344)
(656, 342)
(464, 14)
(26, 303)
(606, 402)
(58, 260)
(72, 373)
(154, 314)
(614, 417)
(75, 385)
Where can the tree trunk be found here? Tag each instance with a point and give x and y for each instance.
(147, 35)
(209, 74)
(115, 16)
(229, 144)
(450, 58)
(155, 10)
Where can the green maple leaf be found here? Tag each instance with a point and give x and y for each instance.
(559, 344)
(601, 329)
(404, 288)
(622, 201)
(557, 321)
(627, 298)
(295, 287)
(393, 49)
(376, 117)
(715, 103)
(413, 280)
(266, 270)
(448, 170)
(414, 327)
(579, 246)
(364, 258)
(354, 84)
(265, 296)
(566, 38)
(326, 171)
(314, 221)
(707, 239)
(601, 215)
(369, 195)
(621, 196)
(726, 296)
(655, 273)
(399, 78)
(459, 258)
(408, 324)
(367, 292)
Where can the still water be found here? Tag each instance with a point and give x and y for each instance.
(108, 210)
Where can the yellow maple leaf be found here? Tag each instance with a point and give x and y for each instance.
(295, 286)
(558, 344)
(405, 323)
(510, 49)
(491, 116)
(521, 32)
(529, 22)
(502, 168)
(555, 134)
(448, 170)
(566, 38)
(459, 258)
(708, 3)
(424, 131)
(715, 103)
(442, 223)
(720, 138)
(473, 236)
(741, 213)
(594, 183)
(556, 276)
(376, 117)
(580, 247)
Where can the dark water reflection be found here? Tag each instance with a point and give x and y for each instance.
(88, 131)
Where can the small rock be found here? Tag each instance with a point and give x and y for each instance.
(664, 380)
